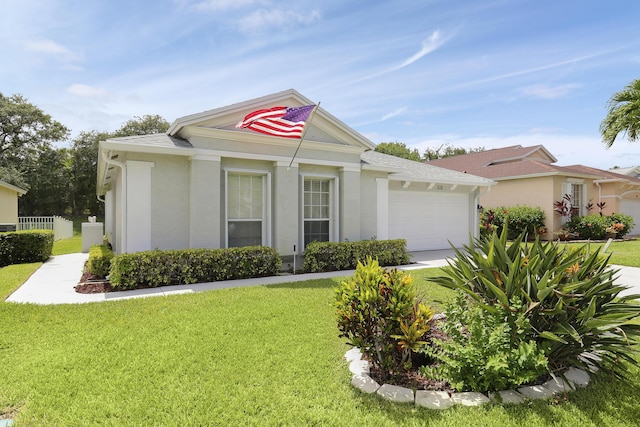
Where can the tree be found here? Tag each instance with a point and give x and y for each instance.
(449, 151)
(623, 115)
(145, 125)
(47, 172)
(25, 130)
(83, 164)
(24, 127)
(398, 149)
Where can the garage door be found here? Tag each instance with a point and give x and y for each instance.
(429, 220)
(632, 207)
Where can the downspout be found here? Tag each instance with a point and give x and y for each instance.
(599, 193)
(108, 160)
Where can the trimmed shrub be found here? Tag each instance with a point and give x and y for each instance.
(173, 267)
(577, 315)
(19, 247)
(378, 312)
(520, 219)
(99, 261)
(621, 218)
(333, 256)
(597, 227)
(589, 226)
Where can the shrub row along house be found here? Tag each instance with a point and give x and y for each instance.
(527, 176)
(207, 184)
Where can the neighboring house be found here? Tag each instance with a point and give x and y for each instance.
(630, 171)
(206, 184)
(9, 206)
(526, 176)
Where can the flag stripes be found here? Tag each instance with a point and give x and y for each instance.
(285, 122)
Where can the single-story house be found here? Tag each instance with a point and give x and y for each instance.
(526, 176)
(9, 195)
(207, 184)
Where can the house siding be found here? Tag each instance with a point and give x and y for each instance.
(8, 206)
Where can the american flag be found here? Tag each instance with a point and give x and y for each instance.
(286, 122)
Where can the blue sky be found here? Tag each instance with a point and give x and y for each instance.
(426, 73)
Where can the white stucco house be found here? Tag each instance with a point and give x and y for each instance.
(206, 184)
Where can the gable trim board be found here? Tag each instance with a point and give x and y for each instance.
(176, 194)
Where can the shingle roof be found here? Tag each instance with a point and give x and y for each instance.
(507, 162)
(409, 170)
(480, 159)
(604, 174)
(161, 140)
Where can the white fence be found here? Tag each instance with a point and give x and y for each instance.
(62, 228)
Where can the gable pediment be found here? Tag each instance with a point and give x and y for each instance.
(220, 123)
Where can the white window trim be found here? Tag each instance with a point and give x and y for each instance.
(266, 202)
(334, 209)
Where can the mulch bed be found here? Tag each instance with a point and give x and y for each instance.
(90, 284)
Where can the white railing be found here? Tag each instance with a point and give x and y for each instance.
(62, 228)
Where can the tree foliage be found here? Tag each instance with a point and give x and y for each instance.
(398, 149)
(623, 115)
(447, 150)
(60, 180)
(145, 125)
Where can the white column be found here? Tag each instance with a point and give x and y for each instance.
(138, 215)
(382, 208)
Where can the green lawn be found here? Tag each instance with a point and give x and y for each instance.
(266, 355)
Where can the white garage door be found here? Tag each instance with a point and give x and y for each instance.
(632, 207)
(427, 220)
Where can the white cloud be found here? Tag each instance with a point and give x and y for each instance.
(431, 44)
(216, 5)
(50, 47)
(394, 113)
(548, 92)
(86, 91)
(263, 19)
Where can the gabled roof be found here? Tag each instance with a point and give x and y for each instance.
(515, 161)
(630, 171)
(408, 170)
(605, 175)
(20, 191)
(225, 118)
(480, 159)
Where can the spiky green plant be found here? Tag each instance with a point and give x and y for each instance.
(570, 297)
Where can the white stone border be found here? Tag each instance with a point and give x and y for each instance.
(361, 380)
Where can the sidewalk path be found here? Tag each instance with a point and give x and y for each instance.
(54, 281)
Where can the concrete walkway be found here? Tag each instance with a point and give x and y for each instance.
(54, 281)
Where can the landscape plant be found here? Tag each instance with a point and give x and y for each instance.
(518, 220)
(175, 267)
(335, 256)
(27, 246)
(378, 312)
(485, 350)
(577, 314)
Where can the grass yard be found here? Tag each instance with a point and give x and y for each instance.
(267, 355)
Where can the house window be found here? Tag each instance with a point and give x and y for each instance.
(245, 210)
(576, 199)
(317, 210)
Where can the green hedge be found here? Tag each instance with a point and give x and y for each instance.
(99, 261)
(19, 247)
(172, 267)
(595, 226)
(521, 219)
(333, 256)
